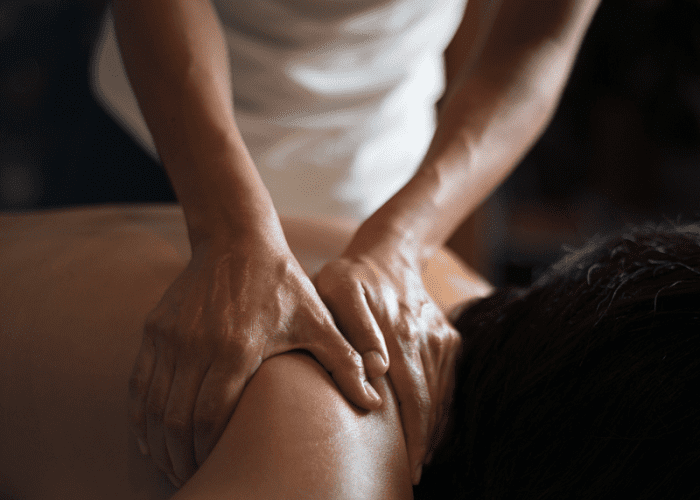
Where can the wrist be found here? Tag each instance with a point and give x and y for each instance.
(384, 240)
(222, 194)
(226, 221)
(422, 214)
(240, 247)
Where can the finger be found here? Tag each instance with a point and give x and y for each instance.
(446, 380)
(355, 320)
(155, 409)
(344, 364)
(413, 395)
(432, 363)
(217, 398)
(447, 374)
(139, 384)
(179, 435)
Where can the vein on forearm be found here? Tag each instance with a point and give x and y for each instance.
(494, 111)
(177, 61)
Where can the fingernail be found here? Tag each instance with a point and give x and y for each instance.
(372, 393)
(175, 481)
(417, 474)
(375, 366)
(142, 446)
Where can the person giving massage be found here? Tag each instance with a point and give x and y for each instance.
(266, 109)
(583, 385)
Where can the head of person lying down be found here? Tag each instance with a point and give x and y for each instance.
(585, 384)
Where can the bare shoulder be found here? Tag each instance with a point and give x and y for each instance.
(294, 435)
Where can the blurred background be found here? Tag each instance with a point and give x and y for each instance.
(624, 146)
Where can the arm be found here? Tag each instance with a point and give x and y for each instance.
(243, 297)
(294, 436)
(494, 111)
(497, 106)
(75, 409)
(177, 61)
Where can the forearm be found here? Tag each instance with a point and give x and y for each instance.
(491, 116)
(177, 62)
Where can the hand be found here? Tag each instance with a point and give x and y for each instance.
(379, 302)
(234, 306)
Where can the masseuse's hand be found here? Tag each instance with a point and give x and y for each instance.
(379, 302)
(232, 307)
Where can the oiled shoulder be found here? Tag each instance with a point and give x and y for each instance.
(294, 435)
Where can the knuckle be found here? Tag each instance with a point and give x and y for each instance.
(362, 272)
(403, 335)
(409, 347)
(348, 361)
(454, 338)
(406, 330)
(424, 406)
(440, 339)
(449, 340)
(336, 280)
(421, 401)
(354, 359)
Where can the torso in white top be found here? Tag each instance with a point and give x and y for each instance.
(334, 98)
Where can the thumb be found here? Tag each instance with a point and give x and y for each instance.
(345, 365)
(354, 317)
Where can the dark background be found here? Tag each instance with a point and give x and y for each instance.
(624, 146)
(57, 146)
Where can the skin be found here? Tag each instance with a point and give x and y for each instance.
(77, 286)
(496, 107)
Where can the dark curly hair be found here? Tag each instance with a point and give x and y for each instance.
(585, 384)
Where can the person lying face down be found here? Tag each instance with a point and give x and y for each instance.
(76, 287)
(579, 386)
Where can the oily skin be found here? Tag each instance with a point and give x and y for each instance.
(388, 295)
(74, 329)
(175, 55)
(191, 356)
(294, 436)
(496, 108)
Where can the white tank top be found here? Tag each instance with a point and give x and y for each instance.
(335, 99)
